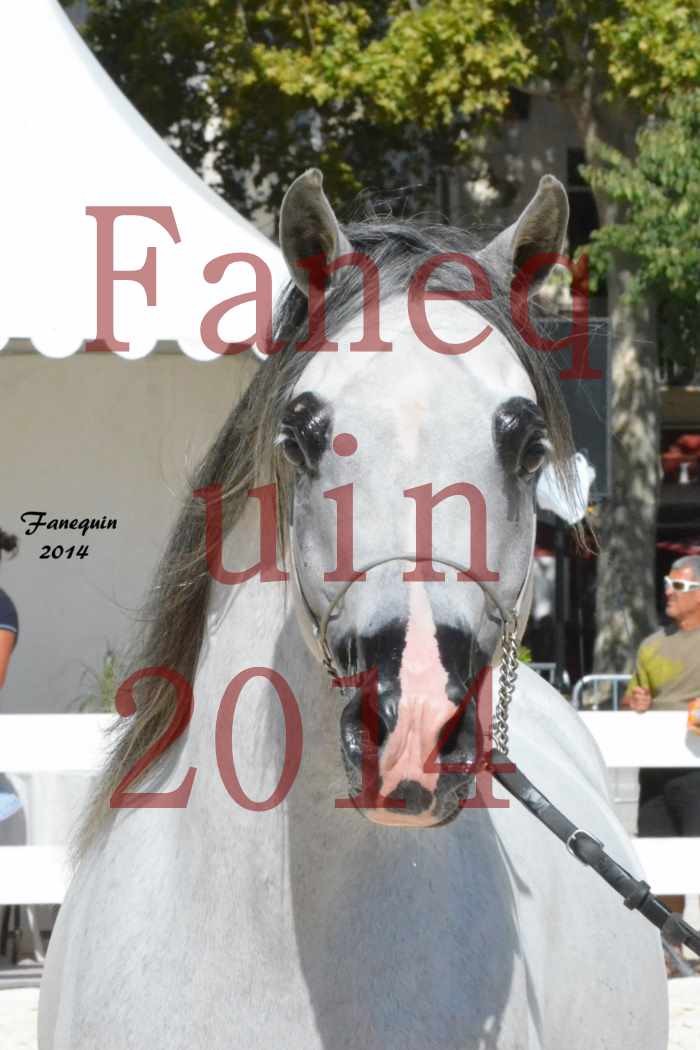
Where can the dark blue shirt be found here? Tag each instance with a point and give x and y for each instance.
(8, 615)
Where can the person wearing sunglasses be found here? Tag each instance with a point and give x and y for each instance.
(667, 678)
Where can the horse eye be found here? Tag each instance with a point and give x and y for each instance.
(520, 436)
(304, 430)
(292, 452)
(533, 458)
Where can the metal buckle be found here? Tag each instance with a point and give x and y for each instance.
(572, 838)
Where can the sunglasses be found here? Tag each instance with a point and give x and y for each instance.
(680, 585)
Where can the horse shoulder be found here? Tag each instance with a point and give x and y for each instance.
(552, 746)
(544, 717)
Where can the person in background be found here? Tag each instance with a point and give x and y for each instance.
(9, 631)
(667, 678)
(9, 624)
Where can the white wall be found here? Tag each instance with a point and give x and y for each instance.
(88, 436)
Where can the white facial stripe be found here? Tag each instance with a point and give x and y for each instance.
(423, 707)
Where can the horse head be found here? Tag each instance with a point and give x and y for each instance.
(412, 451)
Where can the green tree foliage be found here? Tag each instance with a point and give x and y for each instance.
(659, 191)
(653, 48)
(379, 93)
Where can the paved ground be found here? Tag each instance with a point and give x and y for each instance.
(18, 1016)
(684, 994)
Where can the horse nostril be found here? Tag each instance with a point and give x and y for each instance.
(460, 733)
(449, 737)
(350, 731)
(367, 720)
(380, 712)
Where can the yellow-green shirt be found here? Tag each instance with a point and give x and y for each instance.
(668, 665)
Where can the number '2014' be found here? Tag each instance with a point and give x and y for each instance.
(178, 798)
(47, 551)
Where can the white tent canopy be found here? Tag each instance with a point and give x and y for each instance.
(73, 141)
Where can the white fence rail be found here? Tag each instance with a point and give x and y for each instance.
(38, 754)
(52, 743)
(34, 874)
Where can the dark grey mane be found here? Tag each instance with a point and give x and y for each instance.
(244, 455)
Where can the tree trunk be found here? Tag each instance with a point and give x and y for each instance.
(625, 589)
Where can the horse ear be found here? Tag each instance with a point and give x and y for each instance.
(308, 226)
(540, 229)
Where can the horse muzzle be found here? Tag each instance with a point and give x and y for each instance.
(410, 745)
(396, 730)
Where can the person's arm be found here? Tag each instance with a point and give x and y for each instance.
(638, 695)
(7, 641)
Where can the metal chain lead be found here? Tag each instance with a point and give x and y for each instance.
(506, 684)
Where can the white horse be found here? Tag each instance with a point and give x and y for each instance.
(409, 925)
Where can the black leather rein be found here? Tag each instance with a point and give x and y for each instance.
(636, 893)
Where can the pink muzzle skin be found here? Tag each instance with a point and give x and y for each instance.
(424, 707)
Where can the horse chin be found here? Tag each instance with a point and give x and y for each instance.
(400, 812)
(393, 818)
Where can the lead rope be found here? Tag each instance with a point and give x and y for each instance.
(636, 893)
